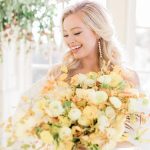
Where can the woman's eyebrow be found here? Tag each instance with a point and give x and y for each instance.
(73, 28)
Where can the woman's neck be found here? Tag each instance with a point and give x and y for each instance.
(89, 64)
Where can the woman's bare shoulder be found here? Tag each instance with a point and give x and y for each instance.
(131, 76)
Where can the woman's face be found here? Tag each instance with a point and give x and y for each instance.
(81, 40)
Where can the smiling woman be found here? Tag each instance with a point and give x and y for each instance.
(81, 40)
(87, 101)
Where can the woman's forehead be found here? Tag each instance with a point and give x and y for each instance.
(72, 22)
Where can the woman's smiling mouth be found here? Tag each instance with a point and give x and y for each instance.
(75, 49)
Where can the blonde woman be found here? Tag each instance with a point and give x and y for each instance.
(89, 34)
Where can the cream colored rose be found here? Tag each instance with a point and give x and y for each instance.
(110, 112)
(97, 97)
(105, 79)
(46, 137)
(115, 101)
(91, 94)
(81, 78)
(101, 96)
(65, 132)
(74, 114)
(63, 92)
(103, 122)
(89, 82)
(55, 109)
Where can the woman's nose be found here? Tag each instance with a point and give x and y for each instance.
(71, 39)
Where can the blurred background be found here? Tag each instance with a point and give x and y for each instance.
(31, 42)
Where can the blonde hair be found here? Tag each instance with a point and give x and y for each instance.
(98, 20)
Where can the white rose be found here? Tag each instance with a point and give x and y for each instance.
(89, 82)
(82, 78)
(97, 97)
(115, 101)
(63, 92)
(105, 79)
(64, 132)
(110, 112)
(74, 114)
(91, 94)
(55, 109)
(101, 96)
(103, 122)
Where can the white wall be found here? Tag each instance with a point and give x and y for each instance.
(123, 13)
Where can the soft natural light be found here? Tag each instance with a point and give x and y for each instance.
(142, 13)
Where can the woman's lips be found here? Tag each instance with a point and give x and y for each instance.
(75, 49)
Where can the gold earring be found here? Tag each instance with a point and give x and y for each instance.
(100, 50)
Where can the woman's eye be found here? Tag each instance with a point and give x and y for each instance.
(77, 33)
(66, 35)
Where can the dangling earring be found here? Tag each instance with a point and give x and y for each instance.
(100, 50)
(100, 54)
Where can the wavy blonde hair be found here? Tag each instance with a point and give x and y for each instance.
(98, 20)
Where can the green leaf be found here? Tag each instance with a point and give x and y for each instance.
(25, 146)
(75, 139)
(67, 104)
(95, 147)
(38, 130)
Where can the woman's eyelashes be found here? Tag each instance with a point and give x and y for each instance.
(66, 35)
(77, 33)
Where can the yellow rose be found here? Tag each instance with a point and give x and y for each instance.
(46, 137)
(41, 104)
(64, 121)
(90, 112)
(84, 121)
(64, 69)
(115, 79)
(81, 93)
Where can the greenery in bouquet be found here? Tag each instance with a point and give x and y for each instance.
(92, 110)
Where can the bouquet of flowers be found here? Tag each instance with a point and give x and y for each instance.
(91, 111)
